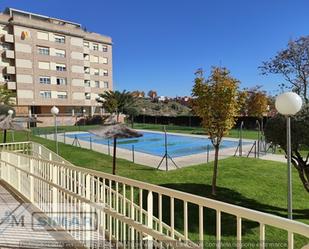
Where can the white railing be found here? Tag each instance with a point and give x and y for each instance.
(131, 212)
(22, 147)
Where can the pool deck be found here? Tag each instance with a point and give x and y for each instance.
(152, 160)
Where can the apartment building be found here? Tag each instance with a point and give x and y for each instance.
(49, 61)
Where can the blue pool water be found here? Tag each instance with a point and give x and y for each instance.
(153, 143)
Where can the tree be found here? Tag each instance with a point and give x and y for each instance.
(256, 102)
(138, 94)
(293, 64)
(116, 102)
(217, 101)
(6, 96)
(275, 132)
(152, 94)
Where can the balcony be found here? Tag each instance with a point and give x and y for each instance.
(11, 85)
(9, 54)
(10, 70)
(9, 38)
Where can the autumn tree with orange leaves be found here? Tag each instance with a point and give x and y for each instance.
(217, 101)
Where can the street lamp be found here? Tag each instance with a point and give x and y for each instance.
(54, 111)
(84, 112)
(289, 104)
(11, 112)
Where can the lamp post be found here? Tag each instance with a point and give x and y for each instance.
(54, 111)
(289, 104)
(84, 117)
(11, 112)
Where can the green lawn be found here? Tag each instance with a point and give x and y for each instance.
(248, 182)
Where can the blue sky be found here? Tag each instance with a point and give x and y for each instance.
(158, 44)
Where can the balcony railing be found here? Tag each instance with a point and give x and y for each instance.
(9, 54)
(129, 210)
(11, 85)
(8, 38)
(10, 70)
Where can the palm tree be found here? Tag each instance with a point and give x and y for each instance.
(116, 101)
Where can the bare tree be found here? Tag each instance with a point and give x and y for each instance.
(293, 64)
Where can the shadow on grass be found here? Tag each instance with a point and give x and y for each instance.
(228, 222)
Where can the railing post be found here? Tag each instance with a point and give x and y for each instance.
(40, 151)
(31, 181)
(18, 174)
(50, 156)
(150, 217)
(87, 209)
(55, 190)
(132, 215)
(8, 169)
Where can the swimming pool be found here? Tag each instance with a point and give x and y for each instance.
(153, 143)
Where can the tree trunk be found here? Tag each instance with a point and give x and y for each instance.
(215, 172)
(114, 156)
(132, 121)
(4, 136)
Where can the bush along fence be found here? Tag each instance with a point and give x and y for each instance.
(192, 121)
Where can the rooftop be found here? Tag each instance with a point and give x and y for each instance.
(15, 12)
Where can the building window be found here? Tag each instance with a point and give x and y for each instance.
(86, 57)
(87, 83)
(95, 46)
(86, 44)
(105, 72)
(60, 53)
(87, 95)
(62, 95)
(96, 71)
(105, 60)
(61, 81)
(86, 70)
(44, 80)
(104, 48)
(59, 38)
(97, 84)
(105, 84)
(61, 67)
(43, 50)
(45, 94)
(6, 77)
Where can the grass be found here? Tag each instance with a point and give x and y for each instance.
(247, 182)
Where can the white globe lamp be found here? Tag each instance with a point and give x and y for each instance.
(288, 103)
(10, 112)
(54, 110)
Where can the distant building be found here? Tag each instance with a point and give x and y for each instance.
(49, 61)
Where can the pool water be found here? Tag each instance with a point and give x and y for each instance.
(153, 143)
